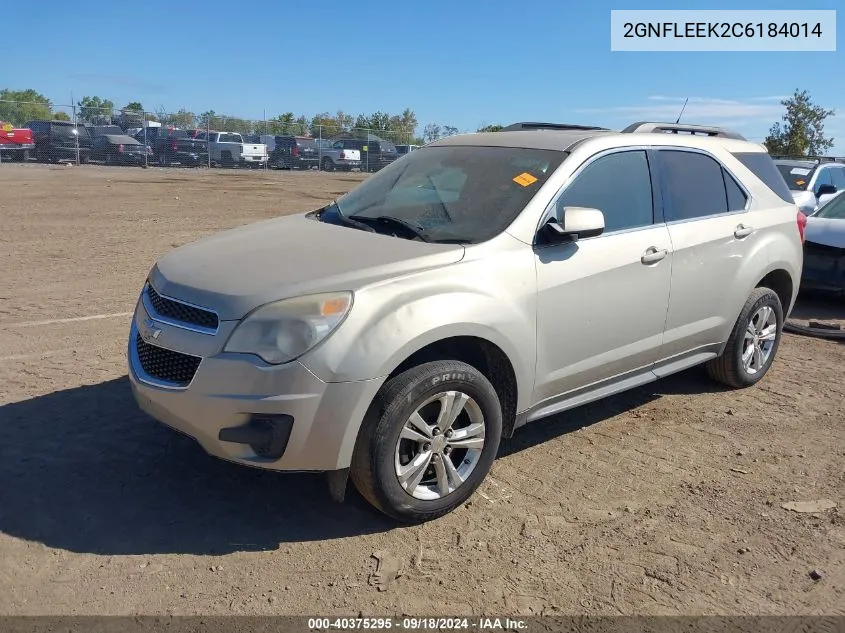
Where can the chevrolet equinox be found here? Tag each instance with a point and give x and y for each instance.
(474, 285)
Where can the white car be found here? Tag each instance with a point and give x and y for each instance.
(824, 248)
(812, 182)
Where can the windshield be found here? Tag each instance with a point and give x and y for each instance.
(833, 209)
(796, 176)
(454, 193)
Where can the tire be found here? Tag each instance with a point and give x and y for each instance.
(729, 368)
(328, 165)
(83, 158)
(226, 160)
(380, 451)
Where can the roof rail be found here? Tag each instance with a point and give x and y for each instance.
(526, 125)
(817, 159)
(648, 127)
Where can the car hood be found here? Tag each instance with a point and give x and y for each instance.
(235, 271)
(826, 231)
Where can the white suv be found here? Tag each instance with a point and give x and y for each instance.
(472, 286)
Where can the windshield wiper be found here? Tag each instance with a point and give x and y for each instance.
(439, 199)
(414, 228)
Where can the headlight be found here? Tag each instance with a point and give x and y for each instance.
(284, 330)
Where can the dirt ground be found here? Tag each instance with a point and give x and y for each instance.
(664, 500)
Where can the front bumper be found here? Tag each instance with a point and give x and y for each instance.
(228, 390)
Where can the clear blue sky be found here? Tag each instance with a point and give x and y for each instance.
(456, 63)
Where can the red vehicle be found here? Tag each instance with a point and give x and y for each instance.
(15, 143)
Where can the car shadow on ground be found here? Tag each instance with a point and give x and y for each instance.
(692, 381)
(85, 470)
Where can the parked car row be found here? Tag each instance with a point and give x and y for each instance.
(61, 141)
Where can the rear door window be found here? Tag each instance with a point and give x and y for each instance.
(693, 185)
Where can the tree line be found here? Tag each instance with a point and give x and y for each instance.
(799, 133)
(19, 106)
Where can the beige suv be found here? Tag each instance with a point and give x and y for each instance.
(474, 285)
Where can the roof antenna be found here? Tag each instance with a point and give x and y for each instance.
(678, 120)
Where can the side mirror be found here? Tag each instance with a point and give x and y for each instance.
(825, 190)
(574, 223)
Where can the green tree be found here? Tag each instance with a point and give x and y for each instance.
(432, 132)
(61, 116)
(325, 125)
(135, 106)
(379, 121)
(343, 121)
(801, 132)
(491, 128)
(180, 119)
(95, 109)
(403, 126)
(19, 106)
(301, 125)
(282, 124)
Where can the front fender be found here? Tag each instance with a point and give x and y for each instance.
(488, 298)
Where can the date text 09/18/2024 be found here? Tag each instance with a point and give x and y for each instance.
(417, 624)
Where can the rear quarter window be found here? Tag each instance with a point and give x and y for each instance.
(762, 166)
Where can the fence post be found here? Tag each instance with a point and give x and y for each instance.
(208, 138)
(320, 147)
(75, 128)
(144, 127)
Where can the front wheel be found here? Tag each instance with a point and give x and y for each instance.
(428, 441)
(753, 343)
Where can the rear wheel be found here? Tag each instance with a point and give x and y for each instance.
(428, 441)
(328, 165)
(753, 343)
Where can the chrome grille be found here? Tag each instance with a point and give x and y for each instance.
(166, 365)
(181, 312)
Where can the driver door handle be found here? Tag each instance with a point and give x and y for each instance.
(743, 231)
(653, 255)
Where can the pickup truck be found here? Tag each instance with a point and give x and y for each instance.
(339, 157)
(15, 143)
(228, 149)
(170, 145)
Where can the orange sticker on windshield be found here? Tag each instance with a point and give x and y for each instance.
(800, 182)
(525, 179)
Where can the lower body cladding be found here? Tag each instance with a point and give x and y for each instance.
(238, 408)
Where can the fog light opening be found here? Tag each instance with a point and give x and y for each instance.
(266, 435)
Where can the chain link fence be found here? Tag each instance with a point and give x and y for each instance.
(49, 133)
